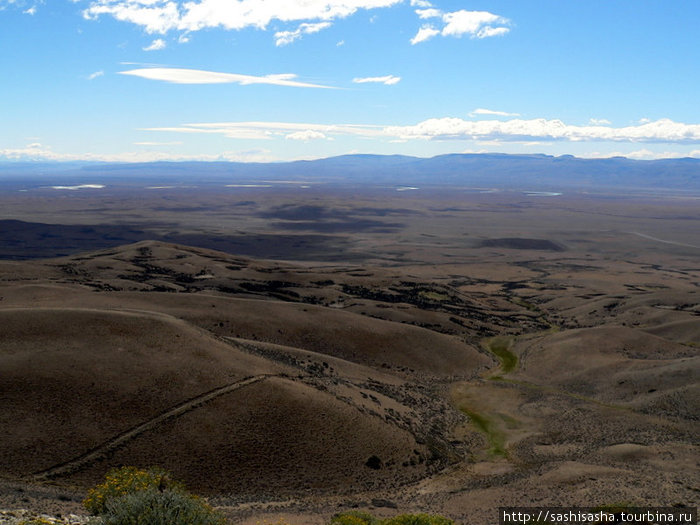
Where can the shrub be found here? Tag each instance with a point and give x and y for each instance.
(418, 519)
(152, 507)
(128, 480)
(354, 517)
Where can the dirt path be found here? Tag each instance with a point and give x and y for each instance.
(114, 443)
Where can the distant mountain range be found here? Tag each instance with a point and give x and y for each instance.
(532, 172)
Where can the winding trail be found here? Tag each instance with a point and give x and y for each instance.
(102, 450)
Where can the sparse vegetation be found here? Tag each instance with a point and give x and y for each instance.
(428, 362)
(152, 507)
(354, 517)
(500, 347)
(123, 481)
(418, 519)
(132, 496)
(495, 438)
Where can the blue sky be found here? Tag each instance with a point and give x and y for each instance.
(264, 80)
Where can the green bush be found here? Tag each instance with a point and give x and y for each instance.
(152, 507)
(354, 517)
(418, 519)
(128, 480)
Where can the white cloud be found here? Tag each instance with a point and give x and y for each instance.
(482, 111)
(475, 151)
(161, 16)
(389, 80)
(429, 13)
(599, 122)
(306, 135)
(96, 74)
(271, 130)
(156, 45)
(38, 152)
(489, 31)
(663, 130)
(420, 3)
(197, 76)
(282, 38)
(30, 151)
(476, 24)
(643, 154)
(484, 131)
(155, 16)
(21, 4)
(340, 43)
(426, 32)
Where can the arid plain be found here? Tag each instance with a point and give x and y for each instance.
(300, 349)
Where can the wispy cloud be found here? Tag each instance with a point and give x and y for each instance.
(197, 76)
(156, 45)
(429, 13)
(306, 135)
(161, 16)
(39, 152)
(599, 122)
(282, 38)
(271, 130)
(644, 154)
(96, 74)
(426, 32)
(494, 131)
(389, 80)
(475, 24)
(21, 4)
(482, 111)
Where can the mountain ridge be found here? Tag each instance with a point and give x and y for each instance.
(499, 170)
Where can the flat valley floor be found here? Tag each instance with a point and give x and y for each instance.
(296, 350)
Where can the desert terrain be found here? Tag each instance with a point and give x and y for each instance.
(292, 350)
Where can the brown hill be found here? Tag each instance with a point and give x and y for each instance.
(84, 389)
(619, 365)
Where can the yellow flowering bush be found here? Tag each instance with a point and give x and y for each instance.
(128, 480)
(418, 519)
(354, 517)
